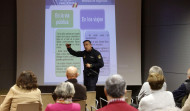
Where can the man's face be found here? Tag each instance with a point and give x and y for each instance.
(87, 46)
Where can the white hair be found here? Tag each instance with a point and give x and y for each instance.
(115, 86)
(65, 90)
(156, 69)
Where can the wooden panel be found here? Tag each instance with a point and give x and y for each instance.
(2, 97)
(47, 99)
(128, 96)
(82, 104)
(91, 99)
(28, 107)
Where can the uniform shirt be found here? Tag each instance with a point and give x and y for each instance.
(92, 57)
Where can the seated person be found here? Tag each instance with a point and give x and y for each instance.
(80, 90)
(145, 89)
(64, 93)
(183, 91)
(115, 89)
(24, 91)
(158, 99)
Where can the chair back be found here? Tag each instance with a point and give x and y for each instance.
(102, 100)
(91, 99)
(82, 104)
(28, 107)
(46, 99)
(128, 96)
(2, 97)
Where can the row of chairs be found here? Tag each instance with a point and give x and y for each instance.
(47, 99)
(86, 105)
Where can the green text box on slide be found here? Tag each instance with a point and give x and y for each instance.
(62, 18)
(62, 58)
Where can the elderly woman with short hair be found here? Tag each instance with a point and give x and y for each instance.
(64, 92)
(145, 89)
(158, 99)
(24, 91)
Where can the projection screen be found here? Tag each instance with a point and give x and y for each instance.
(113, 26)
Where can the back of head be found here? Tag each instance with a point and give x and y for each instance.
(156, 69)
(27, 80)
(115, 86)
(156, 81)
(65, 90)
(72, 72)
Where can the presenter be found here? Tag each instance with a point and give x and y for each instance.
(92, 61)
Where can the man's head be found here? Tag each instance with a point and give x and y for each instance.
(72, 72)
(188, 73)
(87, 45)
(115, 86)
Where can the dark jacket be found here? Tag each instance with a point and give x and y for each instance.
(80, 91)
(181, 92)
(92, 57)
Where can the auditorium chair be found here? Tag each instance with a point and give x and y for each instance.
(28, 107)
(82, 104)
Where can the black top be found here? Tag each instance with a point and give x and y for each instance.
(92, 57)
(80, 90)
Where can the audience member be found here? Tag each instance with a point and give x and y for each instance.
(145, 89)
(115, 89)
(183, 91)
(24, 91)
(80, 90)
(158, 99)
(64, 91)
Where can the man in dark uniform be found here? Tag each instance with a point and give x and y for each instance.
(92, 61)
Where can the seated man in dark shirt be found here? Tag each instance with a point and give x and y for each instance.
(182, 91)
(80, 90)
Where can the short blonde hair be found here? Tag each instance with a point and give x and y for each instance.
(156, 81)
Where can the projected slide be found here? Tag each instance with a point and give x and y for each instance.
(73, 21)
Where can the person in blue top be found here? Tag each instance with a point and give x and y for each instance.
(92, 60)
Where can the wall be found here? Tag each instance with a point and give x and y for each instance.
(7, 43)
(165, 39)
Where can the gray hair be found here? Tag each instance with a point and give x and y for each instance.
(156, 69)
(115, 86)
(65, 90)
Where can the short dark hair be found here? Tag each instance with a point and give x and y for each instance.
(27, 80)
(87, 41)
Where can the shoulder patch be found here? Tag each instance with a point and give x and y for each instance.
(99, 57)
(84, 57)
